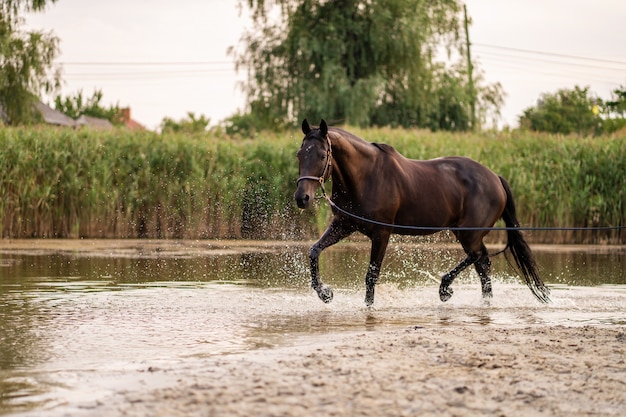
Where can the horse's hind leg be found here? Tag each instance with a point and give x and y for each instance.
(333, 234)
(483, 267)
(445, 292)
(473, 246)
(476, 254)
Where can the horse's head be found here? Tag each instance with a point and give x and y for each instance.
(314, 159)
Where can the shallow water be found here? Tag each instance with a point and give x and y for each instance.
(75, 327)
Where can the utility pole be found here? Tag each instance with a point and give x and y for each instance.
(470, 75)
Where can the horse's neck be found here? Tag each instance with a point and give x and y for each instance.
(352, 158)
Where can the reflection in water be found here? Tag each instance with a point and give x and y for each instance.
(371, 321)
(68, 322)
(24, 346)
(583, 268)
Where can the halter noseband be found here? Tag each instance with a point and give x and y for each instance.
(326, 172)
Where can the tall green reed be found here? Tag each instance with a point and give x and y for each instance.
(66, 183)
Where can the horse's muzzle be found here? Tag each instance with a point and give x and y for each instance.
(303, 196)
(303, 201)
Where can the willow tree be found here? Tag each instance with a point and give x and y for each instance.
(356, 61)
(26, 61)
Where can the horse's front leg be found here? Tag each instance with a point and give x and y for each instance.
(333, 234)
(377, 254)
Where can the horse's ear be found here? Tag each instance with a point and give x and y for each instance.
(323, 128)
(305, 127)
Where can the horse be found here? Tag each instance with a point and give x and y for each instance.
(378, 192)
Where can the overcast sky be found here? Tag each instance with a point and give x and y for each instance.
(529, 46)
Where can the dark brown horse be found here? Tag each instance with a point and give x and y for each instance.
(377, 191)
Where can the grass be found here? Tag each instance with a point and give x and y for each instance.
(66, 183)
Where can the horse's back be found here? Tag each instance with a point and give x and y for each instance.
(484, 196)
(452, 191)
(470, 173)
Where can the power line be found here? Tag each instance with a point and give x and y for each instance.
(148, 73)
(144, 63)
(131, 70)
(548, 60)
(600, 74)
(196, 63)
(553, 54)
(517, 60)
(513, 59)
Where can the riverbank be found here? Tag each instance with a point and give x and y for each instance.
(436, 371)
(202, 247)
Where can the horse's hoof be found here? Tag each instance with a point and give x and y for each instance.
(369, 297)
(445, 294)
(487, 297)
(325, 294)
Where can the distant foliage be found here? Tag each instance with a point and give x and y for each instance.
(576, 111)
(361, 62)
(77, 105)
(260, 117)
(27, 67)
(189, 124)
(614, 111)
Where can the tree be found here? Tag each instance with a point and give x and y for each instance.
(616, 107)
(614, 111)
(76, 106)
(26, 62)
(359, 61)
(190, 124)
(566, 111)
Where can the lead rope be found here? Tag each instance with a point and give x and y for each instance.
(452, 228)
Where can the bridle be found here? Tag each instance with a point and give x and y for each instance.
(327, 168)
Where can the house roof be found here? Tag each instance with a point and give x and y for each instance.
(94, 122)
(134, 125)
(128, 121)
(53, 117)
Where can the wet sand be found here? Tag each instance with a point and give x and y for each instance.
(450, 371)
(456, 370)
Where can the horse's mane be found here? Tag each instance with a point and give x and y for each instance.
(385, 148)
(388, 149)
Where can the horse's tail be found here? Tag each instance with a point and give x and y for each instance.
(520, 250)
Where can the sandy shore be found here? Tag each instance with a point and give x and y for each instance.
(453, 371)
